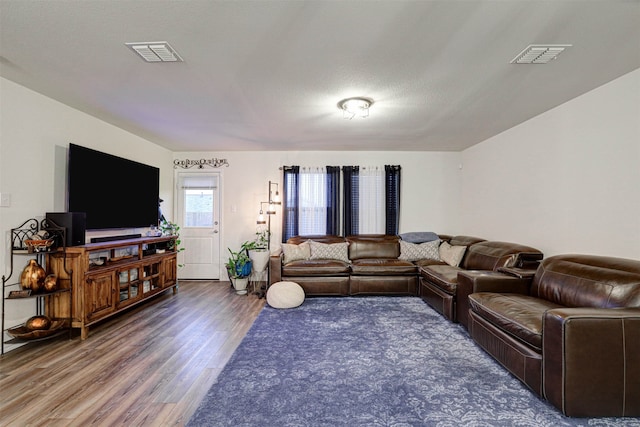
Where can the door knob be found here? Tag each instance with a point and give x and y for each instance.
(215, 231)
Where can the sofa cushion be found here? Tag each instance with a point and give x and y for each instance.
(334, 251)
(451, 254)
(464, 240)
(316, 267)
(427, 262)
(324, 238)
(588, 281)
(373, 246)
(491, 255)
(292, 252)
(442, 275)
(518, 315)
(414, 251)
(382, 267)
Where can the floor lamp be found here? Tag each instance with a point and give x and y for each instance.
(274, 199)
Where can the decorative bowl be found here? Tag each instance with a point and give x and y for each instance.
(38, 245)
(23, 333)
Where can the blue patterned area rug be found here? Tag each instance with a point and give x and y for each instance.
(372, 361)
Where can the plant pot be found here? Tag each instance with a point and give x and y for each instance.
(259, 259)
(245, 270)
(240, 284)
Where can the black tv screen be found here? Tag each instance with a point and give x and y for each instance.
(113, 192)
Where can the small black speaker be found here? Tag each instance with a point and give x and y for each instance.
(74, 222)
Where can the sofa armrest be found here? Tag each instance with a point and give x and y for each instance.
(485, 281)
(520, 273)
(275, 266)
(591, 362)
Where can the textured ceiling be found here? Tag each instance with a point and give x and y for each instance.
(267, 75)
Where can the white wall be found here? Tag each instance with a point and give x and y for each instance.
(566, 181)
(35, 132)
(429, 192)
(430, 186)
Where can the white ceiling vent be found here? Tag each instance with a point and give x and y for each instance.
(539, 54)
(155, 51)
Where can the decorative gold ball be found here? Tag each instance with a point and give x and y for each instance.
(38, 323)
(32, 276)
(50, 283)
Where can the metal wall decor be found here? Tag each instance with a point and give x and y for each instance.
(200, 163)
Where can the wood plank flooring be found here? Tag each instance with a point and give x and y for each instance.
(150, 366)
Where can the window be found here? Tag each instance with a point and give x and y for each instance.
(312, 215)
(310, 201)
(371, 199)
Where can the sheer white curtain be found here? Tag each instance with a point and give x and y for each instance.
(313, 201)
(371, 200)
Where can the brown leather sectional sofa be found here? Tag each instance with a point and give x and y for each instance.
(571, 333)
(374, 267)
(567, 326)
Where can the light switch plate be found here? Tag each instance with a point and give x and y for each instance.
(5, 200)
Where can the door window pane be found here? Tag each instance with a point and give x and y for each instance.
(198, 192)
(198, 206)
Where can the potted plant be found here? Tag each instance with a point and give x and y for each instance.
(258, 250)
(169, 228)
(239, 268)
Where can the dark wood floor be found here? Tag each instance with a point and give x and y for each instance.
(150, 366)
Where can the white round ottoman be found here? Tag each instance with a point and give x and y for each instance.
(285, 295)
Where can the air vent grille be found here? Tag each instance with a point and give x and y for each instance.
(539, 54)
(155, 51)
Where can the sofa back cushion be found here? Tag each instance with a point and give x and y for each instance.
(464, 240)
(324, 238)
(373, 246)
(489, 255)
(588, 281)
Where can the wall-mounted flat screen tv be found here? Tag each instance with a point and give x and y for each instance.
(113, 192)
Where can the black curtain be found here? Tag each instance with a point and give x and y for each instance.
(392, 198)
(333, 199)
(351, 199)
(290, 202)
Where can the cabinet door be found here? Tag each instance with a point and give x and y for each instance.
(128, 286)
(100, 295)
(170, 266)
(151, 277)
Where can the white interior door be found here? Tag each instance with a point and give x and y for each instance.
(198, 213)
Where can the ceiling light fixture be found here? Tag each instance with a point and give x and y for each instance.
(352, 107)
(539, 54)
(155, 51)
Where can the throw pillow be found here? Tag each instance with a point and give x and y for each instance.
(415, 251)
(296, 252)
(452, 255)
(337, 251)
(419, 236)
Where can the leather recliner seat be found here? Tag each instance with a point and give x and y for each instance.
(572, 335)
(439, 282)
